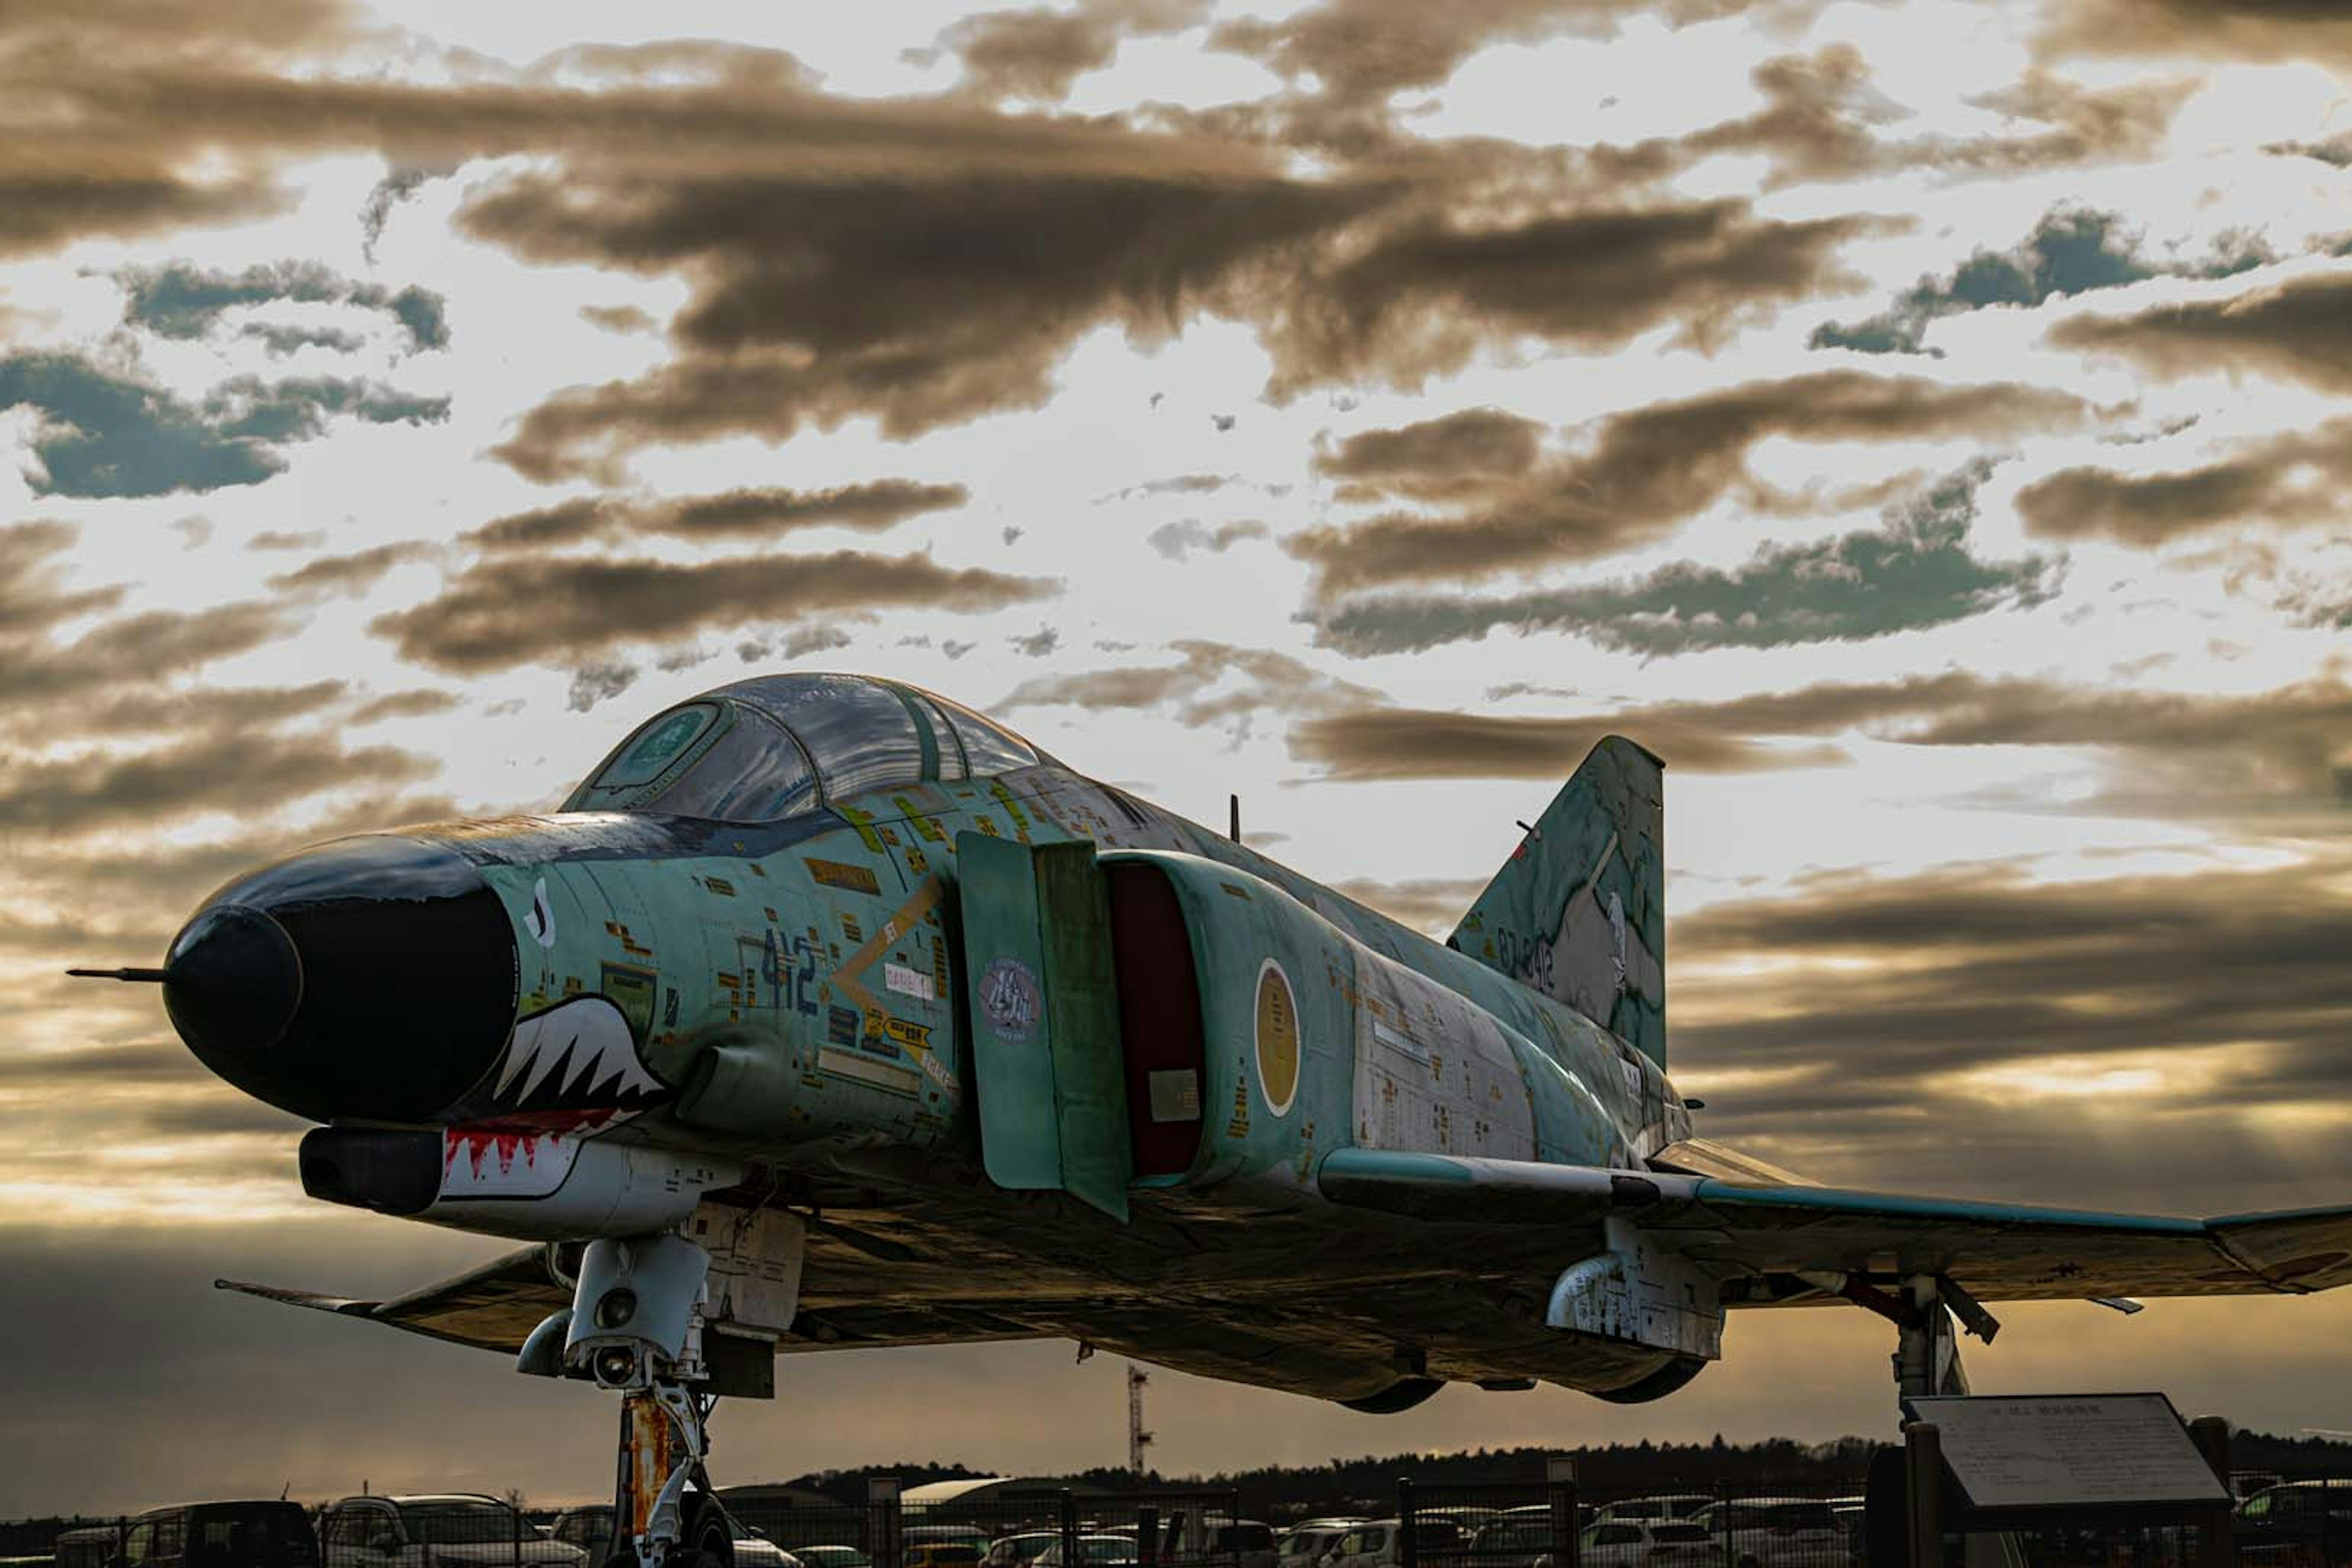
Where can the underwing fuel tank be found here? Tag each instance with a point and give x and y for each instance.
(533, 1184)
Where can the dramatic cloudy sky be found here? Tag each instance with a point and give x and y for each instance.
(1928, 424)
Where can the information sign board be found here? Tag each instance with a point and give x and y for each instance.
(2069, 1451)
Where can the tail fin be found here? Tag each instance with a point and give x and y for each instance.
(1579, 911)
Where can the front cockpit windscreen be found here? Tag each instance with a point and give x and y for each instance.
(861, 732)
(725, 763)
(774, 746)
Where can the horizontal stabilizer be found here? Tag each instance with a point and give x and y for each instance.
(1774, 1235)
(496, 1306)
(493, 1307)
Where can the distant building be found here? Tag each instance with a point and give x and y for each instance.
(990, 1491)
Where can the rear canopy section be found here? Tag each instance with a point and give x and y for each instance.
(1578, 912)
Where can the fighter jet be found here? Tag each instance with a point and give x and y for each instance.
(828, 1013)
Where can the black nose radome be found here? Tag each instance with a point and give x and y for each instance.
(232, 984)
(370, 978)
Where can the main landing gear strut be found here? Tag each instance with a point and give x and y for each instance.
(635, 1325)
(1929, 1313)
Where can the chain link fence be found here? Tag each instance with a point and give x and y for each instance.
(2279, 1522)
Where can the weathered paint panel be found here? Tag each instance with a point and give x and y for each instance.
(1081, 1007)
(1012, 1054)
(1434, 1072)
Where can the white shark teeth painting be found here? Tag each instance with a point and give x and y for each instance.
(578, 1055)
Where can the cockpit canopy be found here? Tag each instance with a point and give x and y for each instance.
(777, 745)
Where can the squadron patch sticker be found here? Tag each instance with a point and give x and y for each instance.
(1010, 999)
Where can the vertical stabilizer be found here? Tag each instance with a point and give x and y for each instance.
(1578, 912)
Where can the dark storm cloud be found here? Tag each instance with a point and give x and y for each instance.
(282, 341)
(1917, 571)
(1436, 458)
(1212, 683)
(181, 300)
(2174, 752)
(1822, 120)
(413, 704)
(1420, 298)
(33, 595)
(2260, 30)
(2071, 251)
(2299, 478)
(872, 506)
(383, 196)
(617, 318)
(509, 611)
(139, 651)
(136, 646)
(104, 434)
(1645, 472)
(2278, 759)
(1039, 644)
(41, 212)
(353, 575)
(1037, 54)
(243, 772)
(1379, 742)
(922, 301)
(595, 683)
(69, 169)
(2335, 154)
(2222, 960)
(142, 711)
(2300, 328)
(924, 261)
(1361, 52)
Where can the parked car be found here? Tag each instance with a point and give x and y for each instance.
(970, 1535)
(1092, 1552)
(1647, 1543)
(1513, 1541)
(1665, 1505)
(2297, 1521)
(935, 1554)
(1305, 1543)
(1373, 1543)
(90, 1546)
(445, 1530)
(1238, 1543)
(1775, 1533)
(198, 1535)
(830, 1556)
(591, 1530)
(1019, 1548)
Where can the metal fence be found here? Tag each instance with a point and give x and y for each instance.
(2301, 1522)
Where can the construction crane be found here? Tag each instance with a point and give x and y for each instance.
(1136, 1435)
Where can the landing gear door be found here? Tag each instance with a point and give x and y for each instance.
(1046, 1054)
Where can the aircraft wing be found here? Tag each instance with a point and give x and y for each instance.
(1771, 1235)
(496, 1306)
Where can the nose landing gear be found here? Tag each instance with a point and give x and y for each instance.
(664, 1441)
(635, 1326)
